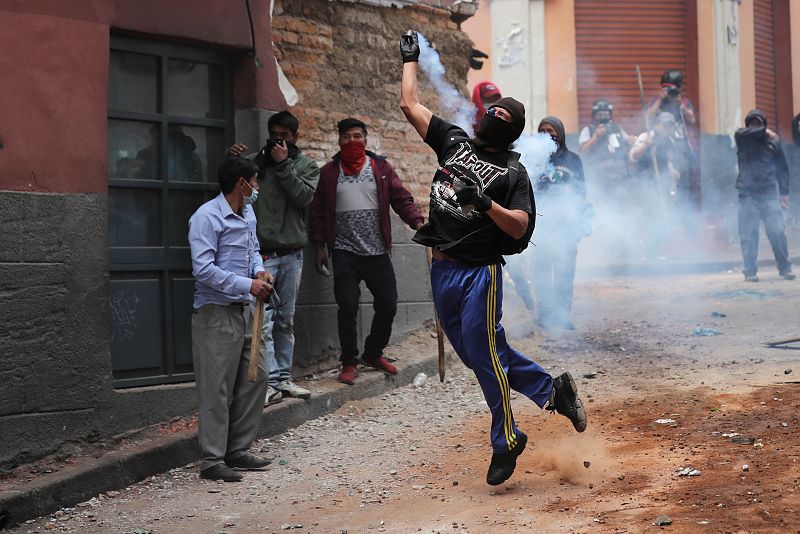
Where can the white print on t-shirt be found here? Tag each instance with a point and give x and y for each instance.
(443, 198)
(462, 165)
(465, 161)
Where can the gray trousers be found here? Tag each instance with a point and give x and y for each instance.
(753, 208)
(230, 405)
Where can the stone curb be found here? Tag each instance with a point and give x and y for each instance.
(117, 470)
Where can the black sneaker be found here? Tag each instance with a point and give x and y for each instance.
(788, 276)
(565, 401)
(220, 472)
(502, 465)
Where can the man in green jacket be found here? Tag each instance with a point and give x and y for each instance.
(287, 181)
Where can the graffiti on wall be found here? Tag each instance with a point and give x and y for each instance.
(124, 310)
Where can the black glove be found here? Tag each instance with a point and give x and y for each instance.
(409, 46)
(469, 194)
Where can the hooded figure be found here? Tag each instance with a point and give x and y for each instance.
(565, 220)
(763, 185)
(762, 165)
(567, 168)
(484, 94)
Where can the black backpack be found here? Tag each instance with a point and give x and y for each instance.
(509, 245)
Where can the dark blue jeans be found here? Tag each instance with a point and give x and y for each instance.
(753, 208)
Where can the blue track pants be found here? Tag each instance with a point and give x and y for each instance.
(469, 303)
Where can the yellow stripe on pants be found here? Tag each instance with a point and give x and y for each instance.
(502, 379)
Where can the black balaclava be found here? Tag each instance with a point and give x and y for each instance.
(556, 123)
(755, 114)
(495, 132)
(750, 137)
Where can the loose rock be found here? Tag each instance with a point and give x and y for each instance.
(662, 521)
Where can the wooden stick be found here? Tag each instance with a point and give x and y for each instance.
(255, 342)
(439, 332)
(653, 160)
(784, 342)
(440, 344)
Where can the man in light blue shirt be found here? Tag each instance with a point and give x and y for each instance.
(228, 271)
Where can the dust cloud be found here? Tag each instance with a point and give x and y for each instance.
(569, 456)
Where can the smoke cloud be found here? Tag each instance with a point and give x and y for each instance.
(535, 150)
(455, 108)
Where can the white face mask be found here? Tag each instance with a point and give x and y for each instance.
(252, 198)
(248, 200)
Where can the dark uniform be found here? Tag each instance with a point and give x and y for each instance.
(763, 176)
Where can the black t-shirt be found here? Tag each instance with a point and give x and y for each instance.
(460, 159)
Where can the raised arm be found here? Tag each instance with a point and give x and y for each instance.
(418, 115)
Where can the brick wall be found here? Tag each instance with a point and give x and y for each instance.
(343, 58)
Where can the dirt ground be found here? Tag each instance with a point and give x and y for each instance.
(659, 399)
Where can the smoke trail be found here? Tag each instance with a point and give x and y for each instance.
(456, 108)
(535, 150)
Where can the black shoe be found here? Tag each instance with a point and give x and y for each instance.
(220, 472)
(502, 465)
(750, 278)
(248, 461)
(565, 401)
(788, 276)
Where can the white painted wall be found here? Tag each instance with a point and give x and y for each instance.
(518, 50)
(727, 66)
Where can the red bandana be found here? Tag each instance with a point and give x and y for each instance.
(354, 154)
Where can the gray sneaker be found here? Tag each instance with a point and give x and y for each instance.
(274, 396)
(289, 389)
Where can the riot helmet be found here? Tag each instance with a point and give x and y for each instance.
(602, 111)
(672, 77)
(672, 80)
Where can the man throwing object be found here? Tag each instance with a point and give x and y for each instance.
(480, 198)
